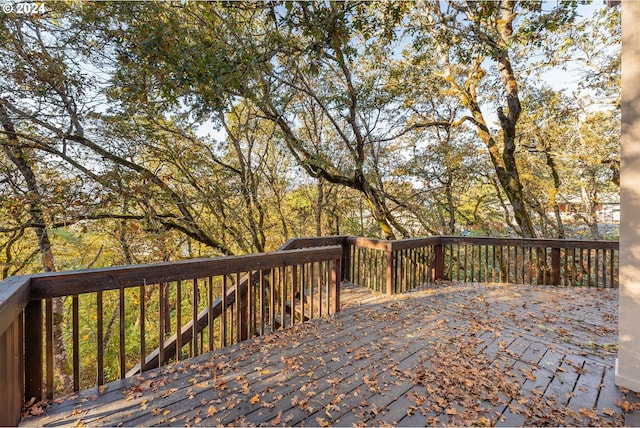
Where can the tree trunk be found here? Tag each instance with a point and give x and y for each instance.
(556, 188)
(18, 157)
(319, 207)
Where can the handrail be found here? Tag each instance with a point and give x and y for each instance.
(203, 319)
(269, 286)
(14, 297)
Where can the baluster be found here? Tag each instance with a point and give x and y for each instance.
(321, 284)
(210, 319)
(597, 267)
(605, 276)
(565, 251)
(582, 266)
(123, 348)
(283, 296)
(75, 328)
(262, 303)
(612, 267)
(143, 348)
(223, 314)
(327, 281)
(335, 285)
(194, 318)
(161, 323)
(100, 341)
(473, 255)
(179, 320)
(513, 276)
(589, 279)
(303, 282)
(49, 347)
(294, 289)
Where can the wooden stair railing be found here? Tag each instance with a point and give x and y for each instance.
(153, 359)
(203, 319)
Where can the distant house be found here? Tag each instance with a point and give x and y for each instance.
(608, 207)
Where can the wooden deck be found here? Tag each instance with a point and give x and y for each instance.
(454, 354)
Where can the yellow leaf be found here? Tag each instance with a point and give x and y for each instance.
(588, 413)
(483, 422)
(451, 411)
(255, 399)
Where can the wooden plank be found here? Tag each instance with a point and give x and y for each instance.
(100, 339)
(14, 297)
(389, 273)
(585, 393)
(528, 242)
(321, 360)
(525, 371)
(314, 242)
(245, 369)
(56, 284)
(339, 377)
(122, 321)
(92, 402)
(48, 341)
(141, 314)
(10, 374)
(194, 317)
(412, 243)
(33, 333)
(564, 381)
(75, 335)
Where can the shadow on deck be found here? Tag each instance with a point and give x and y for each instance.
(453, 354)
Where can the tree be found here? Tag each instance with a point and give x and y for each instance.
(461, 39)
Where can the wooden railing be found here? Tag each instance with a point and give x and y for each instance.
(280, 290)
(402, 265)
(201, 305)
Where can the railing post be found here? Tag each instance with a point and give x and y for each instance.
(243, 309)
(345, 264)
(11, 380)
(33, 351)
(390, 270)
(335, 286)
(555, 266)
(438, 269)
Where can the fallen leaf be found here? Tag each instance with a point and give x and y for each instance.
(483, 422)
(255, 399)
(588, 413)
(322, 422)
(36, 410)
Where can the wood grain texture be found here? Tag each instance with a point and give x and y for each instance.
(451, 354)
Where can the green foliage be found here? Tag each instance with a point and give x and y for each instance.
(375, 119)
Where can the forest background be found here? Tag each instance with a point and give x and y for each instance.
(135, 132)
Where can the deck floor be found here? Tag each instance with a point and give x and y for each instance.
(453, 354)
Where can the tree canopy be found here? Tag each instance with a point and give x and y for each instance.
(142, 131)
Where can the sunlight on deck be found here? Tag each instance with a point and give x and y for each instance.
(450, 354)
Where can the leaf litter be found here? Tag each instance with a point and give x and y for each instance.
(451, 353)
